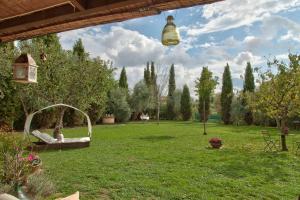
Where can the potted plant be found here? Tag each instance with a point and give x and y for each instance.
(216, 143)
(108, 119)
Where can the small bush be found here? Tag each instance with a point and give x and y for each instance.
(39, 186)
(5, 188)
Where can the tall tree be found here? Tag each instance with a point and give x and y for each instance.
(160, 89)
(62, 79)
(237, 109)
(153, 75)
(140, 100)
(279, 93)
(8, 90)
(123, 79)
(185, 104)
(249, 86)
(118, 105)
(147, 75)
(226, 95)
(171, 101)
(78, 50)
(205, 86)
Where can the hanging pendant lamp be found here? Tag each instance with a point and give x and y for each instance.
(25, 69)
(170, 35)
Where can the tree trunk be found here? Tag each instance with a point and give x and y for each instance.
(24, 107)
(283, 143)
(59, 122)
(283, 136)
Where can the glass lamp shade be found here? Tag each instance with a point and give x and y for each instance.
(170, 35)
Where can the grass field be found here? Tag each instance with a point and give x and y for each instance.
(172, 161)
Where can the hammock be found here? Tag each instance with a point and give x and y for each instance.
(48, 142)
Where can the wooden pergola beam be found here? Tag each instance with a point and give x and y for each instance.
(74, 14)
(79, 4)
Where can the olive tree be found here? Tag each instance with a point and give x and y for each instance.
(278, 95)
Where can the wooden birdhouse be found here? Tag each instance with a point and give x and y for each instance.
(25, 69)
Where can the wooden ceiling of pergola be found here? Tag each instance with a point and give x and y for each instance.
(23, 19)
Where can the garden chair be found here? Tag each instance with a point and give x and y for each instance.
(270, 143)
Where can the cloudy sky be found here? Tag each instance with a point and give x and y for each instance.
(232, 31)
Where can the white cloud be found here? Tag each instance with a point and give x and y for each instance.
(231, 14)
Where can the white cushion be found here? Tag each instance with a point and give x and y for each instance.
(72, 197)
(7, 197)
(44, 137)
(71, 140)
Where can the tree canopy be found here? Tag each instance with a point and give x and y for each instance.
(185, 102)
(205, 86)
(226, 95)
(171, 99)
(249, 86)
(279, 93)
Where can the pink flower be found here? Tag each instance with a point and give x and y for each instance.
(31, 157)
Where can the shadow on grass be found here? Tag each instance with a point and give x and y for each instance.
(157, 138)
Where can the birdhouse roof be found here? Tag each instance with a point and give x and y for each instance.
(25, 58)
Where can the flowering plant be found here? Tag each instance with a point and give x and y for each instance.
(16, 162)
(215, 140)
(216, 143)
(34, 160)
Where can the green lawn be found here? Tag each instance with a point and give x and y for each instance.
(172, 161)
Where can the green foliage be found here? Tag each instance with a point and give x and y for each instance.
(123, 79)
(13, 163)
(40, 186)
(171, 99)
(95, 111)
(205, 86)
(185, 104)
(140, 100)
(278, 96)
(153, 75)
(249, 86)
(226, 95)
(177, 106)
(79, 51)
(237, 112)
(66, 77)
(9, 105)
(118, 106)
(147, 75)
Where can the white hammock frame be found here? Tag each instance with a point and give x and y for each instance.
(30, 117)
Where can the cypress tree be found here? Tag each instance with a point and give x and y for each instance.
(185, 104)
(226, 95)
(171, 101)
(123, 79)
(249, 79)
(78, 50)
(249, 86)
(153, 75)
(147, 75)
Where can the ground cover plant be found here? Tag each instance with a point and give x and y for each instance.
(173, 161)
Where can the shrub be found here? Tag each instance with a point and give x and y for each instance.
(118, 105)
(39, 186)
